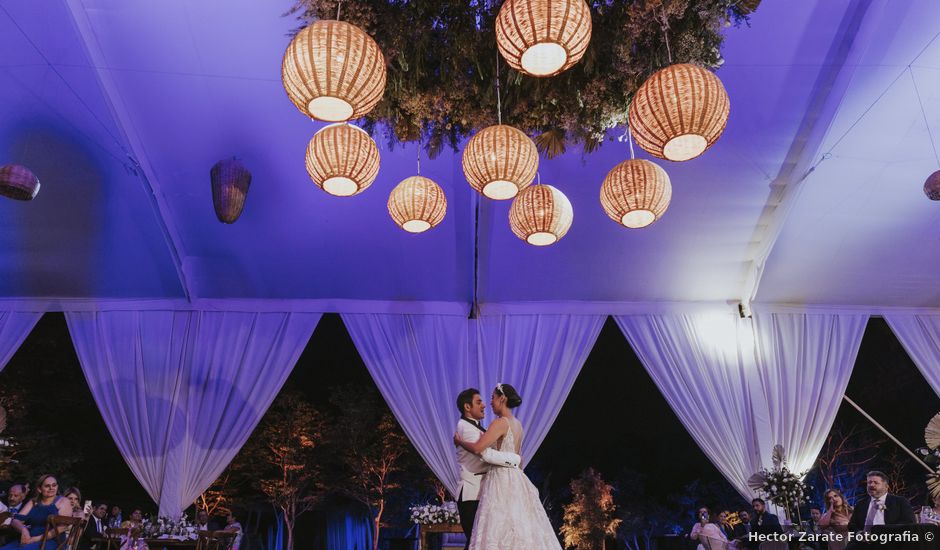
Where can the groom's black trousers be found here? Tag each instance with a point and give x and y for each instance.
(468, 512)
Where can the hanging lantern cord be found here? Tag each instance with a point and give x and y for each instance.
(923, 112)
(666, 35)
(418, 155)
(339, 5)
(499, 100)
(538, 178)
(630, 141)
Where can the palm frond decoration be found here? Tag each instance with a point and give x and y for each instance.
(757, 481)
(779, 457)
(932, 432)
(933, 485)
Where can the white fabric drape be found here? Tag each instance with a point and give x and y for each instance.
(920, 336)
(181, 391)
(421, 362)
(741, 386)
(15, 326)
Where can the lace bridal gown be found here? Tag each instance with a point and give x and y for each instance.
(511, 516)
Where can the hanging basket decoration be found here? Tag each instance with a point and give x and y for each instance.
(932, 186)
(18, 182)
(230, 182)
(540, 215)
(333, 71)
(543, 37)
(636, 193)
(679, 112)
(499, 161)
(342, 160)
(417, 204)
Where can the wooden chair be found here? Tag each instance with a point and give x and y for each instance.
(114, 536)
(215, 540)
(67, 532)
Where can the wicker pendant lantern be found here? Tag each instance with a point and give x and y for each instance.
(932, 186)
(679, 112)
(543, 37)
(417, 204)
(18, 182)
(230, 182)
(333, 71)
(636, 193)
(499, 161)
(540, 215)
(342, 160)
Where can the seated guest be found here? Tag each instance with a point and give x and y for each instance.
(115, 519)
(75, 500)
(706, 533)
(732, 528)
(838, 512)
(763, 522)
(31, 521)
(16, 497)
(745, 517)
(137, 519)
(203, 523)
(879, 507)
(233, 525)
(95, 528)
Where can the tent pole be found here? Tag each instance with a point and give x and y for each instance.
(887, 433)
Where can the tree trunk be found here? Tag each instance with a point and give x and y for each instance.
(377, 525)
(289, 527)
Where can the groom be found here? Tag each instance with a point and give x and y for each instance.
(472, 467)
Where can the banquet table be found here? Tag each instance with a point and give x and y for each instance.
(158, 544)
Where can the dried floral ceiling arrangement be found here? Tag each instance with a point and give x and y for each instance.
(441, 58)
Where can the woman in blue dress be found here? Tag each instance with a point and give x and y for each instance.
(31, 521)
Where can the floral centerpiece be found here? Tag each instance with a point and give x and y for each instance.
(168, 528)
(782, 486)
(433, 514)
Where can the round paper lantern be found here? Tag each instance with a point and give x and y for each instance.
(636, 193)
(932, 186)
(342, 160)
(499, 161)
(417, 204)
(18, 182)
(230, 182)
(543, 37)
(679, 112)
(540, 215)
(333, 71)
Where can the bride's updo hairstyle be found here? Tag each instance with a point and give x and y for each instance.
(513, 399)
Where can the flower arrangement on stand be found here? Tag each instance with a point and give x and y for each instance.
(167, 528)
(433, 514)
(930, 455)
(781, 486)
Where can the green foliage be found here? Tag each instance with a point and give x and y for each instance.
(441, 57)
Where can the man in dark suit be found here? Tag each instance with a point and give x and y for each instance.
(763, 522)
(879, 507)
(95, 527)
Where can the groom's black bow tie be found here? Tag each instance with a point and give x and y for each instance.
(475, 423)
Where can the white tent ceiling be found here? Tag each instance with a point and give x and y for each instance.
(121, 107)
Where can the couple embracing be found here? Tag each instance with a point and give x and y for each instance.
(499, 507)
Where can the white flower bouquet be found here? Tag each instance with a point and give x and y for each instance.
(433, 514)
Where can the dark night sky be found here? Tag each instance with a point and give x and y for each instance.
(614, 418)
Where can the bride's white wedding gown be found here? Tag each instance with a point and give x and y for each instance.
(510, 515)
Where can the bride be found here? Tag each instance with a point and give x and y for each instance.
(510, 515)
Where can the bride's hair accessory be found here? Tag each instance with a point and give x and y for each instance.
(499, 388)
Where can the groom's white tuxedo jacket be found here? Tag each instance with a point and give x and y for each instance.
(471, 465)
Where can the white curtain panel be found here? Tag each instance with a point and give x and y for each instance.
(741, 386)
(181, 391)
(421, 362)
(15, 326)
(920, 336)
(806, 363)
